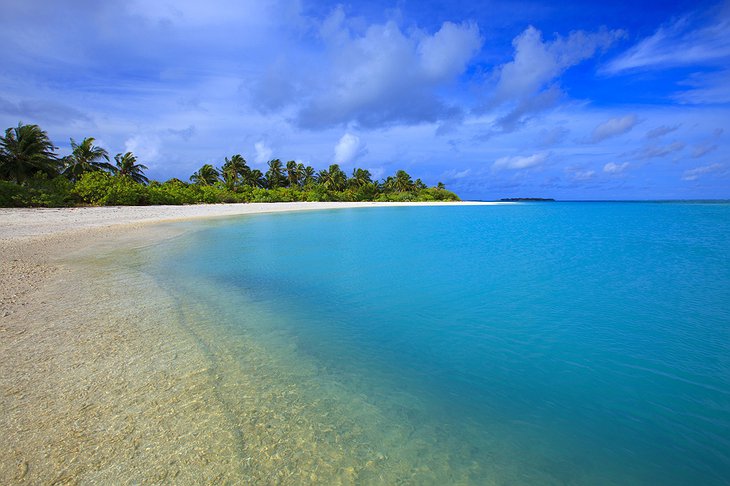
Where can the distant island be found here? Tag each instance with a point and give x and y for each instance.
(33, 174)
(531, 199)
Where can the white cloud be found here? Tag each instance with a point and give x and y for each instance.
(697, 172)
(527, 82)
(348, 149)
(698, 40)
(706, 88)
(520, 162)
(454, 174)
(448, 51)
(703, 149)
(613, 128)
(660, 150)
(376, 173)
(383, 75)
(263, 152)
(583, 175)
(614, 168)
(145, 147)
(660, 131)
(687, 41)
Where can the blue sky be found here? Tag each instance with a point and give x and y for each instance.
(582, 100)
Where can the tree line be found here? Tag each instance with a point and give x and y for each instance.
(33, 174)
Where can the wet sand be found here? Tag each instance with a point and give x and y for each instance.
(100, 382)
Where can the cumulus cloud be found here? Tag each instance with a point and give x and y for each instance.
(384, 75)
(529, 106)
(448, 51)
(348, 149)
(528, 81)
(613, 128)
(520, 162)
(263, 152)
(697, 172)
(614, 168)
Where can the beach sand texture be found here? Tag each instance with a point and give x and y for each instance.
(102, 381)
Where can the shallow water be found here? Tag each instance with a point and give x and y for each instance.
(565, 343)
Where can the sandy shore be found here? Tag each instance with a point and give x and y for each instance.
(80, 373)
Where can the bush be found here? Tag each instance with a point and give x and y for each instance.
(125, 192)
(38, 191)
(397, 197)
(263, 195)
(102, 189)
(365, 193)
(435, 194)
(318, 194)
(93, 187)
(13, 195)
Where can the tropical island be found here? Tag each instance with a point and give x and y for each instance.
(33, 174)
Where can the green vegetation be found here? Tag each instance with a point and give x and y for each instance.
(32, 174)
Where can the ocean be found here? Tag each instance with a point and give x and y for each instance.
(536, 343)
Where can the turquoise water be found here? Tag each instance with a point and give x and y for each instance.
(561, 343)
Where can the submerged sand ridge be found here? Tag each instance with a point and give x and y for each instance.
(107, 377)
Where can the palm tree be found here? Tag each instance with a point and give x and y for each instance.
(301, 174)
(419, 184)
(441, 186)
(402, 182)
(205, 176)
(254, 178)
(25, 150)
(333, 178)
(308, 175)
(375, 187)
(233, 170)
(85, 157)
(292, 173)
(230, 178)
(360, 178)
(127, 166)
(274, 176)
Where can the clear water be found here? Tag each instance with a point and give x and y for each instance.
(562, 343)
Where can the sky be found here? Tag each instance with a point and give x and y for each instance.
(569, 100)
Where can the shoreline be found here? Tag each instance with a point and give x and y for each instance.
(79, 362)
(34, 222)
(34, 241)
